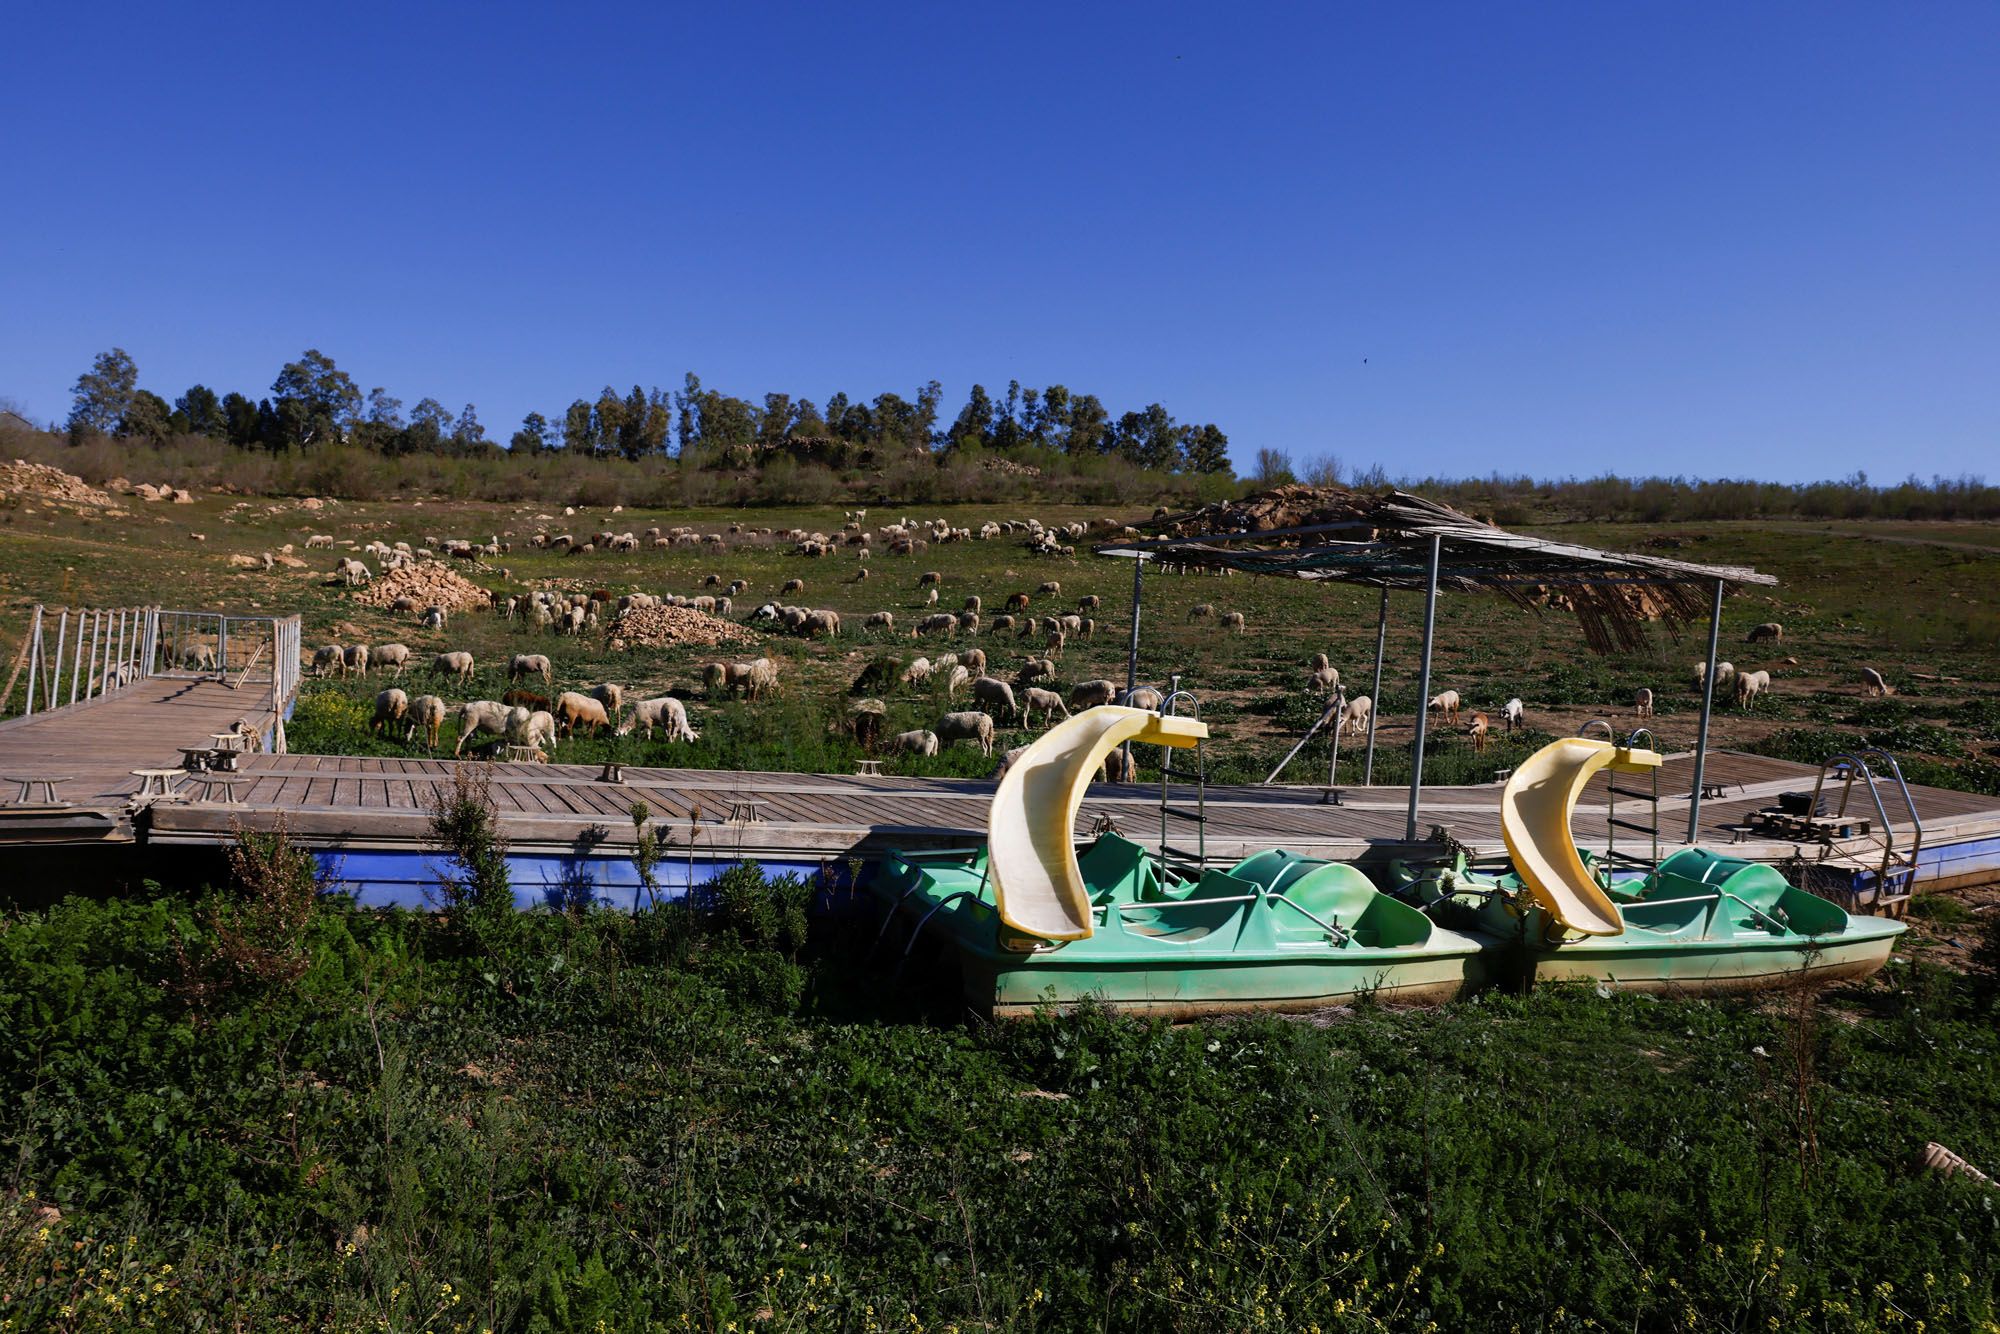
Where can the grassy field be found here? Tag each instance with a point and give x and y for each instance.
(705, 1119)
(1906, 600)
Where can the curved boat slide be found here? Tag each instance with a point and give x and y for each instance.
(1031, 855)
(1535, 811)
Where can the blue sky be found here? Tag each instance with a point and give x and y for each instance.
(1452, 239)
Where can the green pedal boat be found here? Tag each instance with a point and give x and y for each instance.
(1035, 922)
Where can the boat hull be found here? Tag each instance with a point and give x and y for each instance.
(1733, 967)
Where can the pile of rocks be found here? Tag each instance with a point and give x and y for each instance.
(47, 483)
(428, 585)
(663, 627)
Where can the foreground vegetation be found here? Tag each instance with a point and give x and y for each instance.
(265, 1109)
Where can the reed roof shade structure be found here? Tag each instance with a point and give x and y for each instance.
(1403, 541)
(1386, 542)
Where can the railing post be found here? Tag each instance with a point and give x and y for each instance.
(1375, 700)
(55, 674)
(76, 657)
(1707, 708)
(1424, 688)
(34, 659)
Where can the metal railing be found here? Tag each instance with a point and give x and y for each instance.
(73, 655)
(1855, 764)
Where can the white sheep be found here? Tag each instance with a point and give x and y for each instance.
(391, 706)
(1873, 684)
(1360, 711)
(1445, 705)
(1048, 701)
(1749, 685)
(1142, 697)
(476, 716)
(1642, 701)
(1090, 694)
(992, 691)
(966, 726)
(1515, 715)
(918, 672)
(427, 712)
(922, 741)
(573, 710)
(530, 664)
(663, 711)
(1233, 620)
(390, 655)
(457, 663)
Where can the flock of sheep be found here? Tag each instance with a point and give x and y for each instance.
(525, 719)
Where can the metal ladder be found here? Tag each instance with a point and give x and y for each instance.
(1169, 855)
(1614, 860)
(1896, 876)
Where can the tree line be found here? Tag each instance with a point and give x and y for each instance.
(313, 403)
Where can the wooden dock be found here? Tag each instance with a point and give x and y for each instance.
(379, 805)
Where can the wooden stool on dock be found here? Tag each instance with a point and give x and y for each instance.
(26, 786)
(157, 783)
(514, 754)
(211, 783)
(196, 759)
(868, 768)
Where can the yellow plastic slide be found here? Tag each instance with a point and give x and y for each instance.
(1037, 884)
(1535, 811)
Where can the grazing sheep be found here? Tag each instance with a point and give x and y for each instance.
(1017, 602)
(319, 540)
(1035, 669)
(973, 604)
(1048, 588)
(957, 677)
(574, 710)
(974, 660)
(1360, 711)
(432, 619)
(819, 623)
(457, 663)
(1769, 632)
(1480, 726)
(1325, 680)
(1725, 673)
(990, 690)
(1002, 622)
(355, 659)
(1233, 620)
(329, 659)
(920, 742)
(476, 716)
(532, 727)
(967, 726)
(1118, 767)
(1749, 685)
(427, 712)
(1445, 705)
(1201, 611)
(1642, 701)
(391, 655)
(530, 664)
(880, 620)
(792, 586)
(930, 579)
(611, 696)
(938, 622)
(1088, 628)
(1320, 662)
(1515, 715)
(662, 711)
(1089, 602)
(391, 706)
(1090, 694)
(1873, 684)
(918, 672)
(1143, 697)
(1048, 701)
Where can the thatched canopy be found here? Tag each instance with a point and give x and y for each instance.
(1385, 541)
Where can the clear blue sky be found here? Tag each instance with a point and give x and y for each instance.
(1747, 240)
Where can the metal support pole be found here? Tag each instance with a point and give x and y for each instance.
(1132, 652)
(34, 659)
(1424, 688)
(55, 673)
(95, 685)
(1333, 761)
(76, 659)
(222, 647)
(1375, 700)
(1707, 708)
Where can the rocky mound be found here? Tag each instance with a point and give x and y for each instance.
(428, 585)
(663, 627)
(22, 478)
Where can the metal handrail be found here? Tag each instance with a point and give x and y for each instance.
(1335, 928)
(1852, 765)
(1609, 735)
(1170, 708)
(924, 921)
